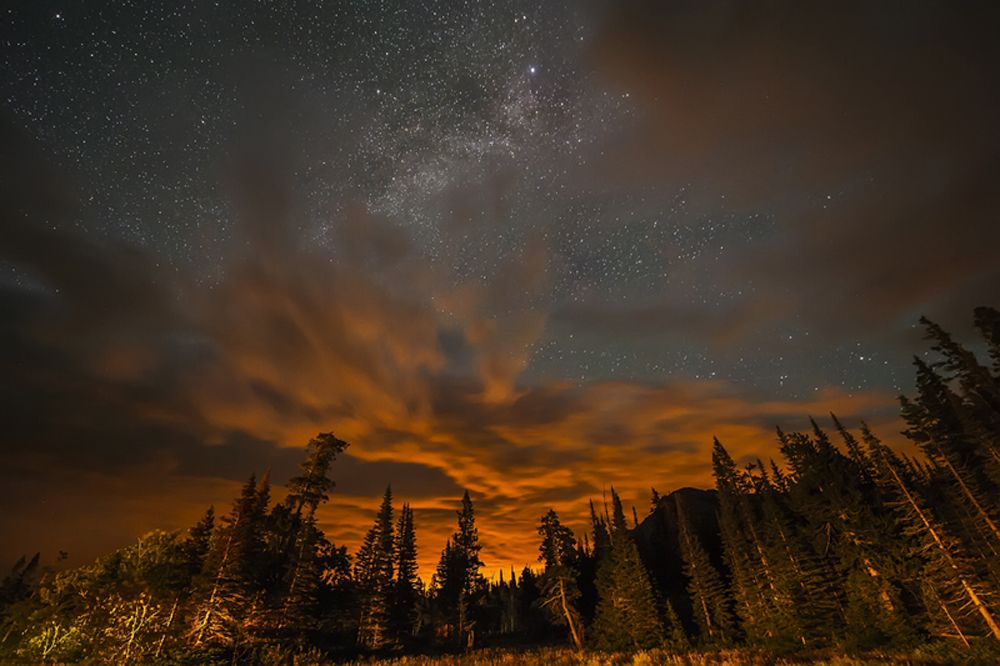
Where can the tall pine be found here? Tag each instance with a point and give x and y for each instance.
(627, 617)
(407, 587)
(559, 591)
(709, 597)
(458, 584)
(374, 575)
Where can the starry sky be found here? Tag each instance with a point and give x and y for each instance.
(532, 249)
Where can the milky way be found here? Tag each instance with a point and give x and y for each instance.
(516, 247)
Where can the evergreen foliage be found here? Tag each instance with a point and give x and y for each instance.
(559, 592)
(627, 617)
(458, 586)
(373, 572)
(404, 616)
(709, 598)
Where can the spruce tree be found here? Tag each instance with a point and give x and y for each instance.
(842, 502)
(805, 591)
(230, 584)
(955, 593)
(466, 542)
(200, 540)
(559, 591)
(458, 584)
(311, 486)
(938, 422)
(677, 639)
(298, 539)
(626, 616)
(755, 590)
(709, 597)
(654, 499)
(374, 574)
(406, 589)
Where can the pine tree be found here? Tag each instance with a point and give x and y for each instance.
(709, 598)
(406, 591)
(532, 620)
(954, 590)
(374, 574)
(842, 501)
(677, 638)
(200, 540)
(805, 583)
(626, 611)
(230, 586)
(446, 586)
(938, 422)
(311, 486)
(299, 539)
(559, 591)
(762, 616)
(601, 534)
(19, 583)
(458, 584)
(466, 542)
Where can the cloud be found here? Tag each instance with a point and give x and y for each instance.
(865, 133)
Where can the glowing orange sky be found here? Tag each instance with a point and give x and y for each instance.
(661, 437)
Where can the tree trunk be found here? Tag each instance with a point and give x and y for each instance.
(969, 591)
(577, 641)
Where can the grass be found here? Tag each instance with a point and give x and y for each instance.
(566, 657)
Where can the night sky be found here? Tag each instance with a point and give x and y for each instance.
(532, 249)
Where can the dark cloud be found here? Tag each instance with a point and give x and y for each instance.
(661, 320)
(865, 130)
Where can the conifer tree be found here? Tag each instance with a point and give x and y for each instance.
(532, 620)
(752, 577)
(559, 591)
(299, 541)
(709, 598)
(938, 422)
(406, 590)
(805, 587)
(445, 586)
(862, 535)
(19, 583)
(458, 583)
(677, 639)
(509, 617)
(374, 574)
(312, 485)
(200, 540)
(601, 534)
(230, 585)
(955, 592)
(626, 611)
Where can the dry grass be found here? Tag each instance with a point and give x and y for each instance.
(565, 657)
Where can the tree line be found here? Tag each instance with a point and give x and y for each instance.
(843, 544)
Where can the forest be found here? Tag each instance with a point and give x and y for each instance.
(843, 546)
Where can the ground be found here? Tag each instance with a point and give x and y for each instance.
(566, 657)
